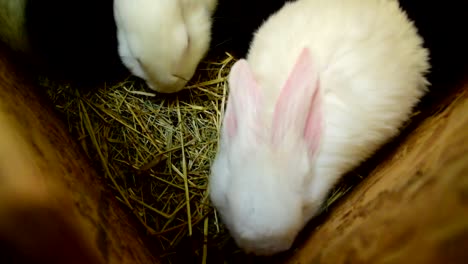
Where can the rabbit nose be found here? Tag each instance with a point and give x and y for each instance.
(179, 84)
(174, 86)
(180, 77)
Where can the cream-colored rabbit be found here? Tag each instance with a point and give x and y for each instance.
(163, 41)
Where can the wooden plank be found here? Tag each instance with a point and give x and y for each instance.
(54, 208)
(413, 208)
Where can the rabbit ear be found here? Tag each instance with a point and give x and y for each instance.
(244, 95)
(298, 110)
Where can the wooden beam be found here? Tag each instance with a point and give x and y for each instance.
(413, 208)
(54, 207)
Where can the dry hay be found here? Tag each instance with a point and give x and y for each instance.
(156, 150)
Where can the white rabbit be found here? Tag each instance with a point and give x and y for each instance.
(163, 41)
(325, 84)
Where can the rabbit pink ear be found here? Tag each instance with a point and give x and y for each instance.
(298, 110)
(243, 100)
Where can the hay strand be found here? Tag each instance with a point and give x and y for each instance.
(154, 150)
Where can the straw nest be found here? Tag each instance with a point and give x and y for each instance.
(155, 152)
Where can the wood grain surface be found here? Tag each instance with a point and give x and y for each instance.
(413, 208)
(54, 208)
